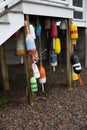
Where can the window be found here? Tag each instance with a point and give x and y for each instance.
(78, 15)
(78, 3)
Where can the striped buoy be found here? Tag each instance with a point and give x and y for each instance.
(73, 33)
(33, 84)
(76, 64)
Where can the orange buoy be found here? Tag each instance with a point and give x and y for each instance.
(42, 78)
(42, 74)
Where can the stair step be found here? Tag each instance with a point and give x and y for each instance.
(7, 23)
(19, 12)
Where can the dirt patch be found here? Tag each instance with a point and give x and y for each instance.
(59, 108)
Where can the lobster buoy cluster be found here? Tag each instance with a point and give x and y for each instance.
(56, 44)
(74, 58)
(73, 33)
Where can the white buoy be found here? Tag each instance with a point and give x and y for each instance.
(36, 72)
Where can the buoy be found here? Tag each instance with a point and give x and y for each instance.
(53, 58)
(76, 64)
(16, 34)
(36, 57)
(36, 72)
(42, 71)
(32, 31)
(30, 43)
(47, 23)
(38, 30)
(20, 46)
(73, 33)
(62, 28)
(20, 50)
(33, 84)
(57, 46)
(74, 76)
(53, 30)
(42, 78)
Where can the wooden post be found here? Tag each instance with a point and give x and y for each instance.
(4, 69)
(69, 52)
(28, 62)
(86, 47)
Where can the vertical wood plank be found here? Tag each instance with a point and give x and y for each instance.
(86, 47)
(4, 68)
(28, 62)
(69, 52)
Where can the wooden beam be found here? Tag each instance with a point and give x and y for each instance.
(69, 52)
(28, 62)
(86, 47)
(4, 68)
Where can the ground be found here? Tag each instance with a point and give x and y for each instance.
(59, 108)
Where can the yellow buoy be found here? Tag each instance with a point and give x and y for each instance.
(57, 46)
(73, 31)
(74, 76)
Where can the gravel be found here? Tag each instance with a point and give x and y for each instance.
(59, 108)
